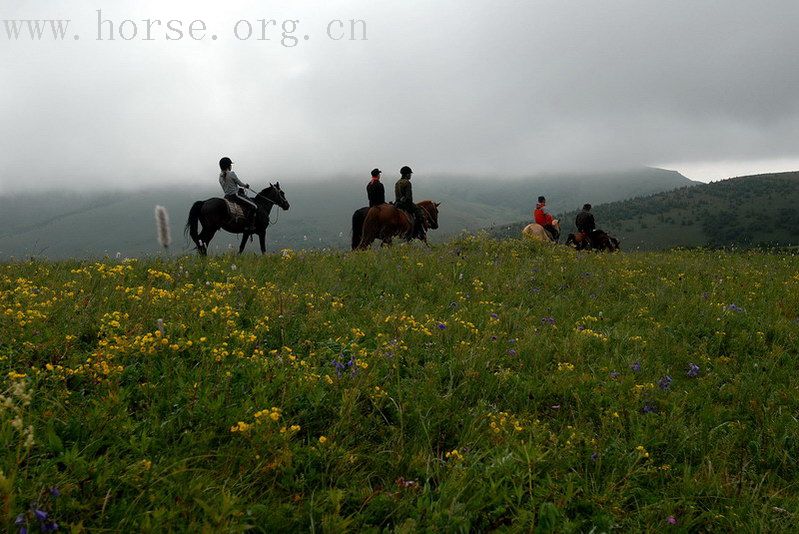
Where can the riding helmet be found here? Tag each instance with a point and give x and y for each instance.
(406, 170)
(542, 199)
(376, 172)
(225, 163)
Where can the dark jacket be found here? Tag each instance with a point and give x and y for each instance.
(376, 193)
(403, 191)
(585, 222)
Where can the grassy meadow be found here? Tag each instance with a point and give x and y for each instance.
(478, 385)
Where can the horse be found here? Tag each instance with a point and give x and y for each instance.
(536, 232)
(214, 214)
(604, 242)
(600, 240)
(578, 241)
(386, 221)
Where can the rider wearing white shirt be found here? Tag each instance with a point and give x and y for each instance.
(232, 186)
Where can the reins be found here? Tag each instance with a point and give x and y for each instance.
(277, 218)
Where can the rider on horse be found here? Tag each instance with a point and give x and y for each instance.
(403, 191)
(545, 219)
(585, 224)
(375, 190)
(234, 189)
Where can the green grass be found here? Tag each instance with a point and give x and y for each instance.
(491, 387)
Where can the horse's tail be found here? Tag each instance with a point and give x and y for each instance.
(370, 225)
(194, 219)
(357, 226)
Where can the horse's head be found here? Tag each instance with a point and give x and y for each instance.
(275, 195)
(431, 209)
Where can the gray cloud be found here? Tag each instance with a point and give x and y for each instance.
(506, 88)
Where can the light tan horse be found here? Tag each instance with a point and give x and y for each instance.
(536, 232)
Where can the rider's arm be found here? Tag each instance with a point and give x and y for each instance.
(232, 176)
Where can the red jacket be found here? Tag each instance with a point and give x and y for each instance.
(542, 217)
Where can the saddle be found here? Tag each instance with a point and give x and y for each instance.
(236, 211)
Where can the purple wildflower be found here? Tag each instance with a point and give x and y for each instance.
(494, 316)
(734, 308)
(671, 520)
(20, 520)
(511, 352)
(23, 530)
(548, 320)
(693, 370)
(442, 326)
(41, 515)
(615, 374)
(665, 382)
(636, 367)
(54, 492)
(341, 367)
(511, 341)
(594, 457)
(580, 328)
(493, 338)
(50, 526)
(648, 408)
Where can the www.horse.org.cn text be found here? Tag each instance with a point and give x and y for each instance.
(287, 33)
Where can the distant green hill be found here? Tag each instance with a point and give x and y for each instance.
(747, 212)
(70, 225)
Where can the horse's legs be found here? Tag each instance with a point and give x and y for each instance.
(262, 241)
(367, 238)
(205, 238)
(244, 238)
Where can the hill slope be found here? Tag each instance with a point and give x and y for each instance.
(746, 212)
(477, 386)
(59, 225)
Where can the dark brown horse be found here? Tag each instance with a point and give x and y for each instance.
(386, 222)
(214, 215)
(600, 240)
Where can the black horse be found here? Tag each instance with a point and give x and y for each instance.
(213, 215)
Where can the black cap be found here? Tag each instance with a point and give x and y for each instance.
(376, 172)
(587, 207)
(406, 170)
(542, 199)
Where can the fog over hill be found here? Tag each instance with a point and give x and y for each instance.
(64, 225)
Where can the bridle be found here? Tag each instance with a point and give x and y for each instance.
(277, 217)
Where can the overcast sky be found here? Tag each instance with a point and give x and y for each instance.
(508, 88)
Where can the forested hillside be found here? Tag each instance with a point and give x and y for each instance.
(751, 211)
